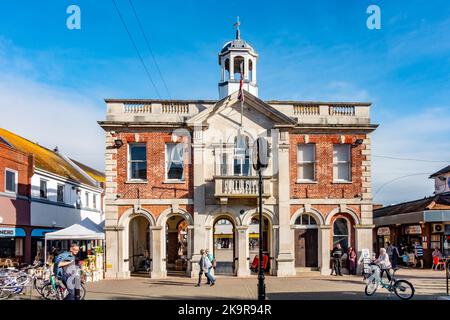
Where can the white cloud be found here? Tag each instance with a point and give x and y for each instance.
(422, 136)
(53, 116)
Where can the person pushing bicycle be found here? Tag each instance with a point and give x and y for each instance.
(66, 270)
(384, 263)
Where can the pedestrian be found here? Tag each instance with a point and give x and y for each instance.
(395, 256)
(351, 256)
(213, 266)
(66, 270)
(418, 252)
(389, 249)
(337, 255)
(384, 263)
(204, 264)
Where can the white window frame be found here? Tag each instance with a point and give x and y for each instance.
(166, 164)
(46, 188)
(349, 164)
(94, 200)
(313, 162)
(130, 161)
(16, 180)
(86, 199)
(63, 195)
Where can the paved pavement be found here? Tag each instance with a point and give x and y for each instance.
(428, 284)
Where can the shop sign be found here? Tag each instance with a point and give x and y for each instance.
(7, 232)
(383, 231)
(413, 230)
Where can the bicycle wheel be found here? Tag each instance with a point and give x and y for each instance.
(50, 293)
(403, 289)
(371, 287)
(5, 294)
(82, 292)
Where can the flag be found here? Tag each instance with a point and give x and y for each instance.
(241, 84)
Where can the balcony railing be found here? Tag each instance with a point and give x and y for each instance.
(240, 187)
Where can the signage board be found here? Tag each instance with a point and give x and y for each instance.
(7, 232)
(383, 231)
(413, 229)
(365, 253)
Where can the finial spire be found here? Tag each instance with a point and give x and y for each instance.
(238, 31)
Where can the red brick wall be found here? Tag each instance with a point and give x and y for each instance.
(15, 211)
(325, 188)
(156, 188)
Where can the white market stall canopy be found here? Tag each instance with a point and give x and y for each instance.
(85, 230)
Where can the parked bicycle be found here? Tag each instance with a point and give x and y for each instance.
(402, 288)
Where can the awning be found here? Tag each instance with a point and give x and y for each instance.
(40, 233)
(85, 230)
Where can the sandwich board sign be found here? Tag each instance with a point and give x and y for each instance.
(366, 260)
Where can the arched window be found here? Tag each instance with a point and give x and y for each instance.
(341, 233)
(238, 67)
(250, 70)
(227, 70)
(305, 220)
(241, 163)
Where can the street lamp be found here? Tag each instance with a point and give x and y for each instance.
(260, 162)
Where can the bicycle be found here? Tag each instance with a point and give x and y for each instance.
(54, 289)
(402, 288)
(13, 282)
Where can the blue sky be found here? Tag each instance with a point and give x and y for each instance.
(53, 80)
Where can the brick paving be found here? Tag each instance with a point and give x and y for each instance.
(428, 284)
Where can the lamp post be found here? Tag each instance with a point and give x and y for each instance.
(260, 162)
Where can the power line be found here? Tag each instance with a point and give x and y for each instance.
(398, 178)
(409, 159)
(136, 48)
(149, 46)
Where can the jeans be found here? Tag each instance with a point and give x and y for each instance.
(337, 265)
(208, 276)
(72, 284)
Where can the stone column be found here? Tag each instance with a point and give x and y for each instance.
(190, 233)
(242, 265)
(199, 199)
(285, 257)
(324, 243)
(158, 253)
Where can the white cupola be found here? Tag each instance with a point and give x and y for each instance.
(237, 57)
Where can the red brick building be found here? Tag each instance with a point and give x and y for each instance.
(16, 169)
(179, 178)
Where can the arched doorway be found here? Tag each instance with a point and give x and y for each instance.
(253, 242)
(139, 245)
(224, 246)
(306, 242)
(176, 244)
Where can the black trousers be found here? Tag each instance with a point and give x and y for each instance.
(337, 265)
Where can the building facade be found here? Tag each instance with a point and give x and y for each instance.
(179, 178)
(425, 221)
(42, 190)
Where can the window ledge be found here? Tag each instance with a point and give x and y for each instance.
(299, 181)
(174, 181)
(136, 181)
(342, 182)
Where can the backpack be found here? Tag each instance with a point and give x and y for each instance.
(57, 271)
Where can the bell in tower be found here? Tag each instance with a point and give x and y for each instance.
(237, 61)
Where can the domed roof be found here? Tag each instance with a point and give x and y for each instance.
(237, 44)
